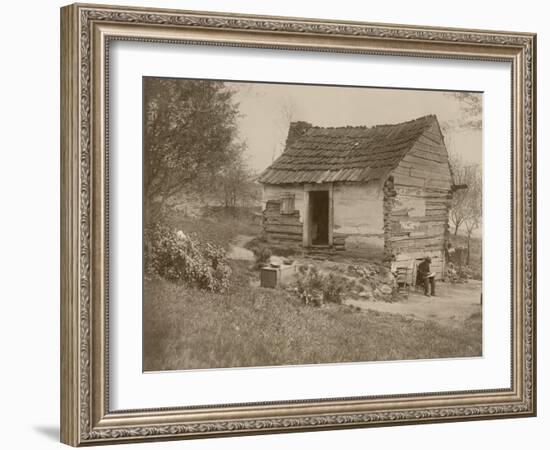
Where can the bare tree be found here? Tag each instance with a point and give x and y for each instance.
(286, 116)
(457, 213)
(470, 104)
(466, 209)
(472, 206)
(466, 206)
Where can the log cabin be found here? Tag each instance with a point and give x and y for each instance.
(377, 192)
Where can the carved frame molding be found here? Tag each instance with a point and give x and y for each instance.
(86, 33)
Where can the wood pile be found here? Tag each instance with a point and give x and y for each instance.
(281, 228)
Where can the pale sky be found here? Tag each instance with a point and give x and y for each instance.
(265, 111)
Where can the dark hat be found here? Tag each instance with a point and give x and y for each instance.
(427, 258)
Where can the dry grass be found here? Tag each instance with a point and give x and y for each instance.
(191, 329)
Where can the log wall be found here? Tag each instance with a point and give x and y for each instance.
(276, 192)
(285, 229)
(417, 199)
(405, 219)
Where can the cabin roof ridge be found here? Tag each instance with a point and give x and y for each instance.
(347, 153)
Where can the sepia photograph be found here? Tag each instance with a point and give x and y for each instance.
(284, 224)
(296, 224)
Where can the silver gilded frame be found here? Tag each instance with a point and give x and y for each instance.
(86, 31)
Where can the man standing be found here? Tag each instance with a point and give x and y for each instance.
(426, 276)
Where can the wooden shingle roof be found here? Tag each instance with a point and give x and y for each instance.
(361, 154)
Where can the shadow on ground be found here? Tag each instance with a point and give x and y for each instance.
(49, 431)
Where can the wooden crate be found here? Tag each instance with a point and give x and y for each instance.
(273, 277)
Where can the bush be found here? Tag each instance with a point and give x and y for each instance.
(314, 287)
(460, 273)
(175, 256)
(335, 287)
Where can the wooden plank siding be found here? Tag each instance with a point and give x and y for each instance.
(418, 199)
(281, 228)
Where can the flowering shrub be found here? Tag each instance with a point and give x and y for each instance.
(314, 287)
(178, 257)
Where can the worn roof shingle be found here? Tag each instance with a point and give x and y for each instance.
(323, 155)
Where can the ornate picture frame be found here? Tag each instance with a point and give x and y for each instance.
(86, 34)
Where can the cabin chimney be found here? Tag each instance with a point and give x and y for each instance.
(295, 130)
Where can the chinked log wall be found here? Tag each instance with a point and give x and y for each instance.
(339, 241)
(281, 228)
(417, 199)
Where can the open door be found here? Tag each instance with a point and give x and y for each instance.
(319, 217)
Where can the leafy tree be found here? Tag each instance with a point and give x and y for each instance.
(235, 185)
(189, 133)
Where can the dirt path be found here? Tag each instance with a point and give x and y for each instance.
(236, 248)
(453, 304)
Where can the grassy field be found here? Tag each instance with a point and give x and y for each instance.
(185, 328)
(190, 329)
(217, 225)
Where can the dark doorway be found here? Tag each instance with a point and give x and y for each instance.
(318, 204)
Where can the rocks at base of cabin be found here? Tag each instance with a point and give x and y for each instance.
(385, 289)
(372, 282)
